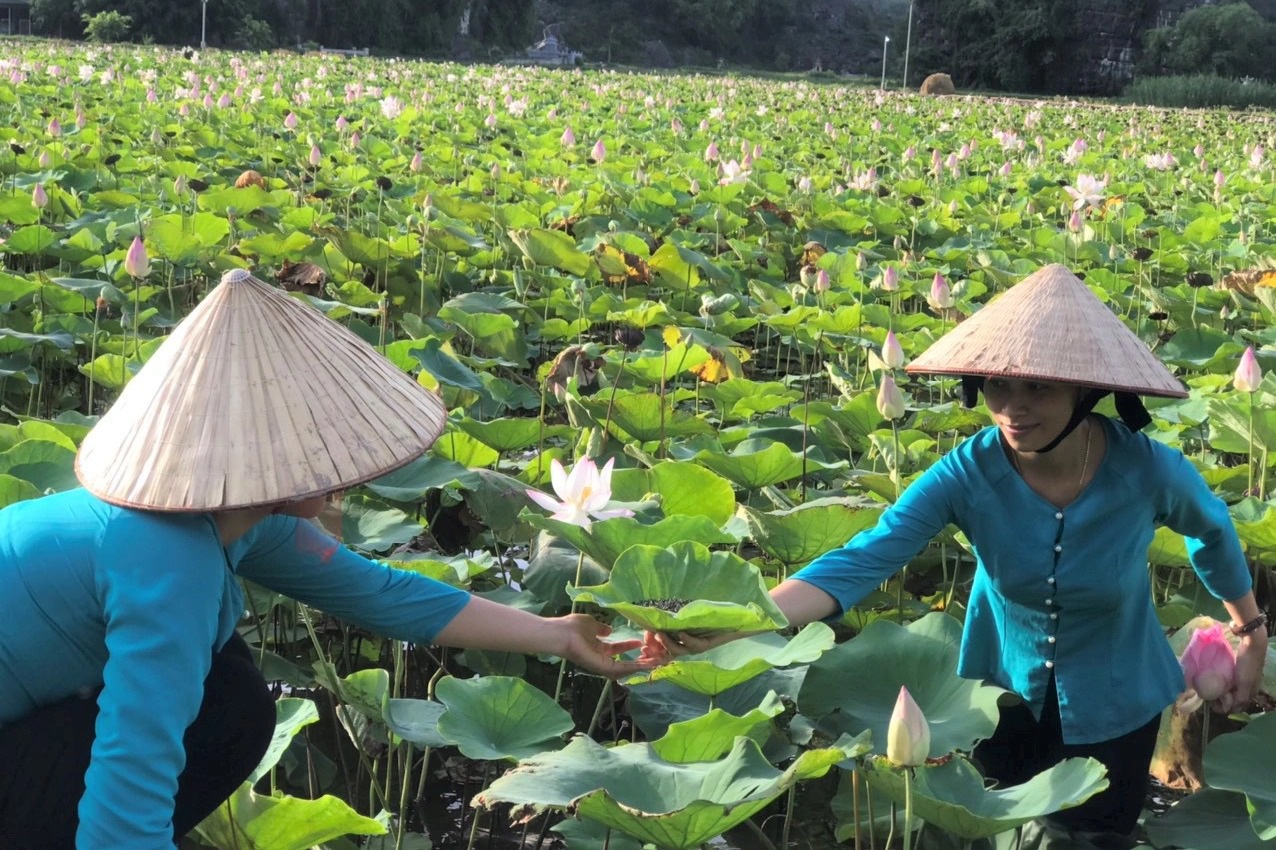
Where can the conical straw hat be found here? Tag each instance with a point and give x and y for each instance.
(256, 398)
(1050, 327)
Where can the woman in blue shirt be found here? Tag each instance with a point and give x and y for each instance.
(1059, 505)
(129, 706)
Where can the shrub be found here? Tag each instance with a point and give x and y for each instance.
(254, 34)
(1201, 91)
(107, 26)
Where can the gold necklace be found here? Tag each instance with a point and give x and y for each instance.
(1085, 460)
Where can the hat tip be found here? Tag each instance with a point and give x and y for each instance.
(237, 276)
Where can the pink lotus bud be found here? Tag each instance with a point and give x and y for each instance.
(1209, 665)
(892, 352)
(490, 120)
(1248, 374)
(694, 188)
(223, 101)
(44, 159)
(822, 282)
(39, 198)
(599, 153)
(568, 139)
(890, 401)
(704, 125)
(910, 153)
(81, 120)
(876, 125)
(179, 185)
(1074, 222)
(55, 127)
(675, 126)
(415, 165)
(890, 279)
(208, 101)
(1199, 151)
(495, 171)
(290, 120)
(1005, 169)
(711, 152)
(941, 297)
(1219, 178)
(936, 160)
(316, 156)
(953, 206)
(804, 184)
(342, 123)
(151, 96)
(908, 735)
(136, 263)
(355, 139)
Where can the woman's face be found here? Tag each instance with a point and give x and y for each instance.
(1030, 414)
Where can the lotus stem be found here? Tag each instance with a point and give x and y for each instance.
(598, 709)
(1205, 726)
(1250, 489)
(562, 662)
(855, 808)
(908, 808)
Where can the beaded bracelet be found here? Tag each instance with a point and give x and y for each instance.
(1252, 626)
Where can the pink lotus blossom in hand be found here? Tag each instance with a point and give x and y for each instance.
(1209, 664)
(583, 494)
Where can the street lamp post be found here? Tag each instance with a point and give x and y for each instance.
(885, 44)
(908, 41)
(203, 26)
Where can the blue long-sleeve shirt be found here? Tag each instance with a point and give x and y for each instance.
(136, 603)
(1057, 591)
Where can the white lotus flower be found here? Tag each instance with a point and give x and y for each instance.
(584, 493)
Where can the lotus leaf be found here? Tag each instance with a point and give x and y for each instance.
(499, 718)
(14, 489)
(685, 586)
(855, 686)
(410, 483)
(952, 795)
(645, 417)
(250, 821)
(796, 536)
(606, 540)
(684, 490)
(1207, 820)
(629, 788)
(755, 469)
(1230, 766)
(712, 735)
(291, 714)
(373, 526)
(730, 665)
(551, 248)
(47, 465)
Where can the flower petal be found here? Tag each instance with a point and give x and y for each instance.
(546, 501)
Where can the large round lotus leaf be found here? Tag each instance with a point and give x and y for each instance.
(1207, 820)
(658, 705)
(606, 540)
(250, 821)
(757, 469)
(711, 735)
(684, 488)
(738, 661)
(497, 717)
(796, 536)
(854, 687)
(952, 795)
(415, 721)
(591, 835)
(630, 788)
(1231, 764)
(686, 587)
(291, 714)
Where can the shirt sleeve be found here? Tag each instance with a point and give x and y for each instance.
(923, 510)
(1190, 508)
(301, 561)
(161, 583)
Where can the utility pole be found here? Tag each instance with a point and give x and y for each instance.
(908, 42)
(885, 44)
(203, 26)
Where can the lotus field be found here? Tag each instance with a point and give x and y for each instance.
(694, 296)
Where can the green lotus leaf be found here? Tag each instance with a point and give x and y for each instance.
(684, 489)
(48, 465)
(32, 239)
(291, 715)
(182, 239)
(754, 470)
(606, 540)
(499, 718)
(14, 288)
(685, 586)
(952, 795)
(467, 451)
(645, 417)
(507, 435)
(631, 789)
(551, 248)
(796, 536)
(14, 489)
(712, 735)
(445, 367)
(415, 721)
(12, 340)
(1207, 820)
(250, 821)
(1230, 765)
(854, 687)
(1230, 418)
(410, 483)
(373, 526)
(734, 663)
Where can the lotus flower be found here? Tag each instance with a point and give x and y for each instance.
(941, 296)
(136, 263)
(290, 120)
(822, 282)
(342, 123)
(1209, 665)
(568, 139)
(1248, 374)
(890, 279)
(599, 151)
(39, 197)
(892, 351)
(55, 127)
(733, 172)
(908, 735)
(316, 156)
(890, 401)
(584, 493)
(416, 163)
(1088, 191)
(1256, 156)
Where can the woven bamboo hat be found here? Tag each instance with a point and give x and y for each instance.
(1050, 327)
(256, 398)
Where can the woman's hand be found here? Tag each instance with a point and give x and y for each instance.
(1250, 657)
(670, 645)
(583, 645)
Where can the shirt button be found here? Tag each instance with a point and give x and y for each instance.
(1049, 665)
(1059, 515)
(1049, 600)
(1058, 548)
(1050, 580)
(1051, 639)
(1054, 616)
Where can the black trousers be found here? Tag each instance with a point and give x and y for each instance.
(43, 757)
(1023, 747)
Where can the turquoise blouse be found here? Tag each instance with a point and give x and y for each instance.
(136, 603)
(1057, 591)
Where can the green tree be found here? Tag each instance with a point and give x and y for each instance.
(57, 18)
(1230, 41)
(107, 26)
